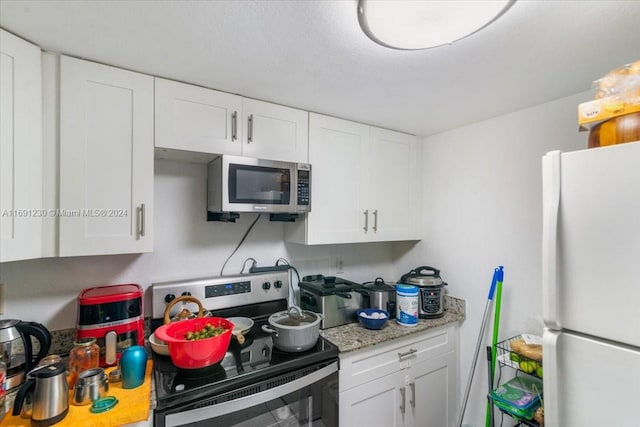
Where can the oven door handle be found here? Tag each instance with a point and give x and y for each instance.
(241, 404)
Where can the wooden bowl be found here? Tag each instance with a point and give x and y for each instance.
(618, 130)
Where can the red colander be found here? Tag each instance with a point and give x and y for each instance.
(200, 353)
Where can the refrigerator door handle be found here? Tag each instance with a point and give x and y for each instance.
(550, 212)
(550, 381)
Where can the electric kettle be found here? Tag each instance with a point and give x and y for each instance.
(16, 348)
(50, 394)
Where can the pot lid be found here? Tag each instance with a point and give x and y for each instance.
(48, 371)
(379, 285)
(423, 276)
(8, 323)
(424, 281)
(321, 285)
(294, 317)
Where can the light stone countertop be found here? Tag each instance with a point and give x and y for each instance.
(354, 336)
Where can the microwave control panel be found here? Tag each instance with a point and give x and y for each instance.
(304, 187)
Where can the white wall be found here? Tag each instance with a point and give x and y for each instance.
(186, 246)
(483, 204)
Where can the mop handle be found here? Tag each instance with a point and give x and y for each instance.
(494, 281)
(497, 277)
(496, 325)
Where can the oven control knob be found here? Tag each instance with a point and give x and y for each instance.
(266, 285)
(186, 294)
(266, 351)
(169, 297)
(277, 284)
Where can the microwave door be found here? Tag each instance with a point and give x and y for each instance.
(255, 188)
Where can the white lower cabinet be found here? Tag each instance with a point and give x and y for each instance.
(405, 383)
(376, 403)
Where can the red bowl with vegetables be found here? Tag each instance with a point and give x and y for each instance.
(196, 343)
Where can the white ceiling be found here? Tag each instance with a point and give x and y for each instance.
(313, 55)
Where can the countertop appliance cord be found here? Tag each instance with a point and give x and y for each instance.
(240, 243)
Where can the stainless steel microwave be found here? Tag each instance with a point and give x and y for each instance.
(244, 184)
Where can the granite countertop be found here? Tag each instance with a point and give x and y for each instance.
(353, 336)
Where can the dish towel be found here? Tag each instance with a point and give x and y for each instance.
(133, 406)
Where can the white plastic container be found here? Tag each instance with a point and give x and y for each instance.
(407, 305)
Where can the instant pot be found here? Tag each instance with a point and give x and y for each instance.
(431, 287)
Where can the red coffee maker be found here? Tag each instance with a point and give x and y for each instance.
(113, 315)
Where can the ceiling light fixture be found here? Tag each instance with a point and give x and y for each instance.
(423, 24)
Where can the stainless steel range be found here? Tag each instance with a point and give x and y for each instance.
(255, 384)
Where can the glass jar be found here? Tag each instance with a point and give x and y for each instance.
(84, 355)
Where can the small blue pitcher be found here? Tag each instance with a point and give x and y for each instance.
(133, 365)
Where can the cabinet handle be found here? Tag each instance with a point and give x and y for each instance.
(250, 129)
(375, 221)
(142, 216)
(234, 125)
(366, 220)
(402, 405)
(413, 394)
(407, 353)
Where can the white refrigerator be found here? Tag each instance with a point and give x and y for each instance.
(591, 287)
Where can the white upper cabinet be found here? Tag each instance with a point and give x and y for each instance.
(193, 118)
(194, 123)
(20, 149)
(337, 152)
(364, 185)
(106, 159)
(274, 132)
(394, 196)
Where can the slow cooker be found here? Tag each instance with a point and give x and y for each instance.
(431, 287)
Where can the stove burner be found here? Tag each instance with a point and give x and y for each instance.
(188, 378)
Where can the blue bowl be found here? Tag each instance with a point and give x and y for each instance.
(372, 323)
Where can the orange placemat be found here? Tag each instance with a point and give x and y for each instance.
(133, 406)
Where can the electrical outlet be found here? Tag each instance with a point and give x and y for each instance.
(339, 265)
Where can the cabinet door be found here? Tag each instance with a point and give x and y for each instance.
(376, 403)
(274, 132)
(106, 159)
(194, 118)
(432, 392)
(394, 187)
(337, 153)
(20, 149)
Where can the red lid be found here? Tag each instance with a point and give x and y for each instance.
(110, 293)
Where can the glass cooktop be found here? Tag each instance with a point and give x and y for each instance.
(255, 360)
